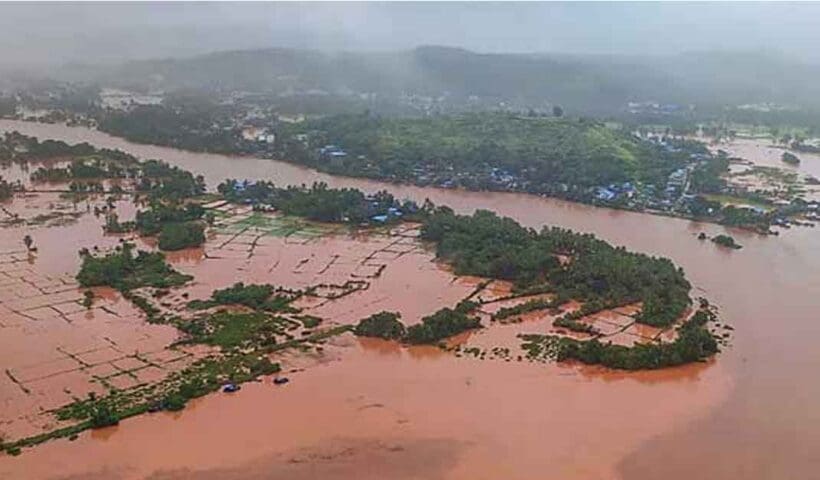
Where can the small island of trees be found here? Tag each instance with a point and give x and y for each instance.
(790, 158)
(598, 274)
(694, 343)
(385, 325)
(432, 328)
(726, 241)
(124, 270)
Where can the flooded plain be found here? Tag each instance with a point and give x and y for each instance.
(375, 410)
(762, 152)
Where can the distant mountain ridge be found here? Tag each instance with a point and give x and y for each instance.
(584, 83)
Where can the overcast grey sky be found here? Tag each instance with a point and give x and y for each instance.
(65, 32)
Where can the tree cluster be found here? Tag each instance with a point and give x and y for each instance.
(317, 202)
(384, 325)
(124, 271)
(433, 328)
(176, 236)
(694, 343)
(487, 245)
(255, 296)
(726, 241)
(6, 189)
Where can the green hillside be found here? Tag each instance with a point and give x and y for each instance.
(542, 150)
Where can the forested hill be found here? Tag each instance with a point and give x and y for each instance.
(497, 147)
(581, 83)
(431, 71)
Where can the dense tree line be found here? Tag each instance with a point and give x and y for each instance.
(124, 270)
(526, 307)
(693, 343)
(195, 124)
(317, 202)
(176, 236)
(255, 296)
(384, 325)
(85, 169)
(442, 324)
(19, 147)
(487, 245)
(150, 222)
(432, 328)
(168, 182)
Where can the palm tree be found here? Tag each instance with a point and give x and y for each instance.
(28, 241)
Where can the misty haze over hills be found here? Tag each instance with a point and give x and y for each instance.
(57, 33)
(589, 57)
(584, 83)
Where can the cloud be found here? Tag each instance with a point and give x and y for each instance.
(57, 33)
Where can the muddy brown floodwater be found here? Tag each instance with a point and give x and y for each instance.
(763, 153)
(375, 410)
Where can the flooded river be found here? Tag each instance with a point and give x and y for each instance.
(374, 410)
(763, 153)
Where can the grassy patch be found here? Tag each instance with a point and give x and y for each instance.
(277, 226)
(125, 271)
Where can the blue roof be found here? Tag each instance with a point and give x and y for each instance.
(605, 194)
(379, 218)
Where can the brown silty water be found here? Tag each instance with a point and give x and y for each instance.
(761, 152)
(57, 350)
(369, 409)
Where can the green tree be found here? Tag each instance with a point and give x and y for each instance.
(384, 325)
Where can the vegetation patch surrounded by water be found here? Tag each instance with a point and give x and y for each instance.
(244, 323)
(694, 343)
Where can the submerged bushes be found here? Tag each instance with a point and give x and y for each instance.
(124, 271)
(176, 236)
(694, 343)
(255, 296)
(726, 241)
(384, 325)
(438, 326)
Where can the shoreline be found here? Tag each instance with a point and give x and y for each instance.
(401, 183)
(761, 348)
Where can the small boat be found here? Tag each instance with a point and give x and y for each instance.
(280, 380)
(230, 388)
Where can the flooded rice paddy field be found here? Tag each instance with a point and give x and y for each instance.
(56, 350)
(370, 409)
(357, 273)
(761, 152)
(775, 174)
(52, 348)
